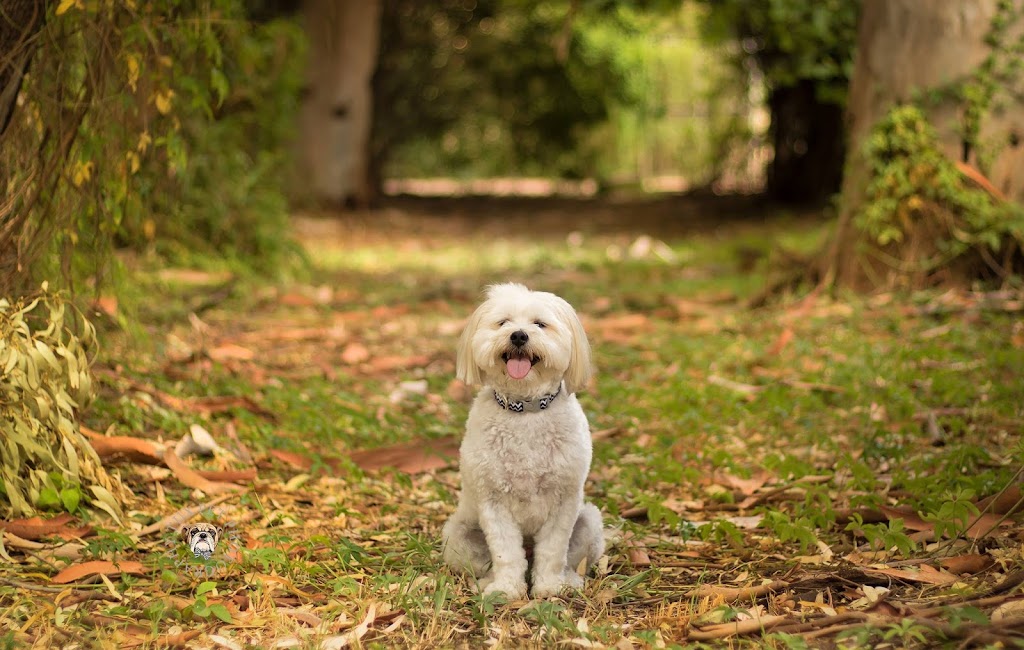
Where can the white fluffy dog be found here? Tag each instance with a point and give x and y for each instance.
(527, 451)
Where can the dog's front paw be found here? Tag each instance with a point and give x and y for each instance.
(513, 590)
(545, 587)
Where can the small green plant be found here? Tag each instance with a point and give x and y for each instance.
(202, 609)
(549, 615)
(800, 530)
(906, 631)
(109, 544)
(721, 531)
(788, 641)
(482, 607)
(883, 536)
(955, 514)
(266, 559)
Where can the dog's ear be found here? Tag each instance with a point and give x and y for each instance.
(580, 367)
(466, 369)
(184, 533)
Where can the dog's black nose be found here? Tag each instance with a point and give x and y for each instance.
(519, 338)
(201, 535)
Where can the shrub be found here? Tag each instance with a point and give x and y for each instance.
(928, 220)
(44, 380)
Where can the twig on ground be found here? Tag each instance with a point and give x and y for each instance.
(723, 630)
(732, 594)
(180, 517)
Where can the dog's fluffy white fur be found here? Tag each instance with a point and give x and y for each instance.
(523, 472)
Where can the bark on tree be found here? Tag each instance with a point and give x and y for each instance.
(20, 21)
(906, 47)
(336, 114)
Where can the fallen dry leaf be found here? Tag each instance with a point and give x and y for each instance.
(748, 390)
(193, 276)
(136, 450)
(970, 563)
(293, 459)
(180, 640)
(746, 486)
(36, 528)
(985, 525)
(107, 305)
(911, 520)
(780, 343)
(981, 526)
(923, 573)
(1007, 502)
(411, 458)
(97, 567)
(1013, 609)
(230, 352)
(193, 479)
(637, 553)
(355, 353)
(388, 363)
(229, 475)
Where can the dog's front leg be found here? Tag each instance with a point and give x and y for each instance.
(550, 572)
(508, 556)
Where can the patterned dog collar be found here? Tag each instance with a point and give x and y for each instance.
(528, 405)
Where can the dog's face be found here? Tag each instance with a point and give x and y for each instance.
(201, 538)
(524, 342)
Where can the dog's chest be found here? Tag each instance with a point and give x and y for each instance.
(526, 470)
(527, 455)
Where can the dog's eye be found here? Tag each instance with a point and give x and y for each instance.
(502, 322)
(540, 324)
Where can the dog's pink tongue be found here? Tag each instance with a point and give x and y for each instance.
(518, 367)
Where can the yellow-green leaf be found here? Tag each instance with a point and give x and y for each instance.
(64, 5)
(47, 354)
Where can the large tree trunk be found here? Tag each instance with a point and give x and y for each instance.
(20, 20)
(807, 135)
(905, 48)
(337, 111)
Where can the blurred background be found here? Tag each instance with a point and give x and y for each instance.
(185, 131)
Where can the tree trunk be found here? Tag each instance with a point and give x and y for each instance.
(20, 20)
(905, 48)
(337, 111)
(808, 139)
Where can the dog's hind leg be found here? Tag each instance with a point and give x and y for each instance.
(464, 546)
(587, 541)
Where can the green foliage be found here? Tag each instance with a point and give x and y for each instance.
(554, 91)
(721, 531)
(955, 515)
(201, 608)
(883, 536)
(793, 40)
(232, 200)
(998, 81)
(44, 382)
(919, 200)
(800, 530)
(147, 125)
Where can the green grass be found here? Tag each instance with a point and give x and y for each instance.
(839, 414)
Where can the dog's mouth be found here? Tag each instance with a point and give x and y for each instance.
(518, 364)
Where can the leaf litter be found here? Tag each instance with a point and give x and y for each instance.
(323, 440)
